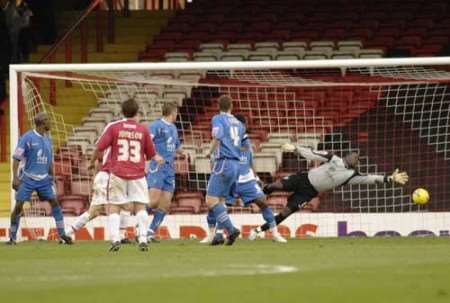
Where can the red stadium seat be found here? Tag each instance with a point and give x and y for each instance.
(189, 195)
(286, 25)
(277, 203)
(264, 26)
(80, 186)
(168, 36)
(234, 27)
(239, 210)
(60, 186)
(367, 23)
(278, 35)
(389, 32)
(45, 207)
(177, 27)
(182, 210)
(427, 50)
(334, 34)
(425, 23)
(162, 45)
(359, 34)
(304, 36)
(440, 40)
(195, 203)
(381, 42)
(182, 165)
(63, 167)
(70, 212)
(73, 206)
(409, 42)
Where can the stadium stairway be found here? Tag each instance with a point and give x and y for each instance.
(132, 34)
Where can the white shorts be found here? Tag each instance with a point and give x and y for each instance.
(122, 191)
(100, 189)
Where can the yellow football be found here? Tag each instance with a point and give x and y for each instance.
(420, 196)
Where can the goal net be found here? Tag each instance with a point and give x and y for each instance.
(394, 115)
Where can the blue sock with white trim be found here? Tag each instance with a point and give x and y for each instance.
(59, 219)
(268, 216)
(223, 220)
(158, 217)
(211, 219)
(14, 227)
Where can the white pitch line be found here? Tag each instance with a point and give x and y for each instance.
(230, 270)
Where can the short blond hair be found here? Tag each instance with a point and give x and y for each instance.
(168, 108)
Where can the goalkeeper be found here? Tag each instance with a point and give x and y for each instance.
(332, 173)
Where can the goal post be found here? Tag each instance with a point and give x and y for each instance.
(394, 111)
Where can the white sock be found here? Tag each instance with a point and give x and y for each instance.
(124, 223)
(274, 230)
(114, 227)
(142, 221)
(211, 233)
(81, 221)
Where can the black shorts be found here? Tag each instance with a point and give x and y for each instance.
(302, 190)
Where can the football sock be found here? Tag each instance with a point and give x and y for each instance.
(141, 218)
(59, 219)
(81, 221)
(114, 227)
(223, 220)
(278, 219)
(124, 223)
(219, 233)
(268, 217)
(15, 220)
(158, 217)
(211, 219)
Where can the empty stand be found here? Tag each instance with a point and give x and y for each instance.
(407, 25)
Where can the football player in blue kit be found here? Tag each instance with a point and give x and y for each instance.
(247, 188)
(227, 133)
(161, 179)
(34, 151)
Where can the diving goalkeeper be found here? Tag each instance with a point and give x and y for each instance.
(332, 173)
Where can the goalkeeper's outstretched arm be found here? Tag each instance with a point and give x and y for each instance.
(308, 153)
(396, 177)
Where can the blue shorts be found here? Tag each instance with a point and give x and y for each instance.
(223, 176)
(162, 177)
(247, 191)
(44, 189)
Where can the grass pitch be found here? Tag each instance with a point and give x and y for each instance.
(316, 270)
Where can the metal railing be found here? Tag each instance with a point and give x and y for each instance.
(81, 25)
(104, 14)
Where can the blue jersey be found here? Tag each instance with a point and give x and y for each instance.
(35, 153)
(165, 138)
(230, 132)
(246, 172)
(245, 164)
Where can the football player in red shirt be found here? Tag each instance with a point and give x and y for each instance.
(131, 146)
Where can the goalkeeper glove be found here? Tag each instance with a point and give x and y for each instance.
(398, 177)
(288, 147)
